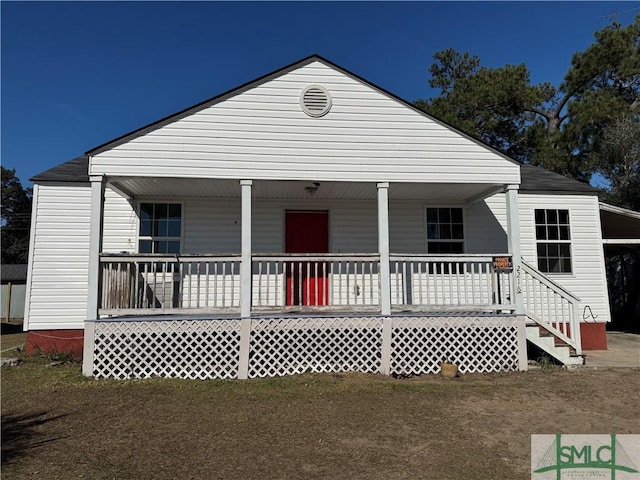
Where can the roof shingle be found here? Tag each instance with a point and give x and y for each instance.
(76, 170)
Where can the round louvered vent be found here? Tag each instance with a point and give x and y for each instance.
(315, 101)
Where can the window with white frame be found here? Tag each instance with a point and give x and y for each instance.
(553, 240)
(445, 230)
(160, 228)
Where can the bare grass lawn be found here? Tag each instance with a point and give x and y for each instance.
(57, 424)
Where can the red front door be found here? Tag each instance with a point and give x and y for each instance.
(307, 281)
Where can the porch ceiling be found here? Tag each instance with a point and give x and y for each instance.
(297, 190)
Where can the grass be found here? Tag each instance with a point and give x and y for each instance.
(58, 424)
(13, 341)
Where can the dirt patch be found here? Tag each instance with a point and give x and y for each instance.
(61, 425)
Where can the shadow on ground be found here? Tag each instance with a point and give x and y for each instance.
(22, 433)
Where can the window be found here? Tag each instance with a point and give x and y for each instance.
(160, 228)
(445, 230)
(553, 241)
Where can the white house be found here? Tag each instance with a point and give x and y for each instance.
(310, 221)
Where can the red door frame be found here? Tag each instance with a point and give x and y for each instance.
(307, 231)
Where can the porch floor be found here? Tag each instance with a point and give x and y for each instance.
(297, 313)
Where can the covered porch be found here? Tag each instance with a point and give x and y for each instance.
(414, 259)
(319, 301)
(253, 247)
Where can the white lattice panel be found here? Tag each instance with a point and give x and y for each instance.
(199, 349)
(285, 346)
(475, 344)
(203, 349)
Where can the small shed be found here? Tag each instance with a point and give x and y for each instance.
(13, 279)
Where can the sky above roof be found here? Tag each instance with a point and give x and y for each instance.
(78, 74)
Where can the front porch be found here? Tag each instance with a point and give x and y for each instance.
(215, 315)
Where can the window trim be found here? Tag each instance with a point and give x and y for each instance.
(557, 242)
(463, 241)
(144, 237)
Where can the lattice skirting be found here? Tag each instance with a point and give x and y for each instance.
(205, 349)
(286, 346)
(196, 349)
(475, 344)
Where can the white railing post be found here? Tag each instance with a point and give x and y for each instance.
(385, 276)
(88, 347)
(575, 328)
(523, 361)
(93, 281)
(245, 279)
(513, 240)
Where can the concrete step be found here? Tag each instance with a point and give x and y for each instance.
(553, 346)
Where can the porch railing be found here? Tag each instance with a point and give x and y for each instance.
(330, 280)
(468, 282)
(169, 283)
(551, 306)
(136, 284)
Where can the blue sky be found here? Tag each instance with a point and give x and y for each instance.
(78, 74)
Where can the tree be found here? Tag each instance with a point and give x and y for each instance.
(489, 104)
(16, 218)
(556, 127)
(617, 158)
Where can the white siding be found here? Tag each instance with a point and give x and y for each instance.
(211, 226)
(588, 279)
(486, 225)
(267, 229)
(407, 229)
(353, 228)
(486, 233)
(58, 267)
(120, 224)
(263, 133)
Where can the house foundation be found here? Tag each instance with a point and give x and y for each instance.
(49, 342)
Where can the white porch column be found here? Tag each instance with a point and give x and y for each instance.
(245, 279)
(385, 276)
(383, 248)
(93, 282)
(513, 240)
(95, 245)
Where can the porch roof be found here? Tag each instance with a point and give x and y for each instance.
(297, 190)
(534, 179)
(619, 225)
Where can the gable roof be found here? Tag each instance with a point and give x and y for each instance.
(270, 76)
(533, 179)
